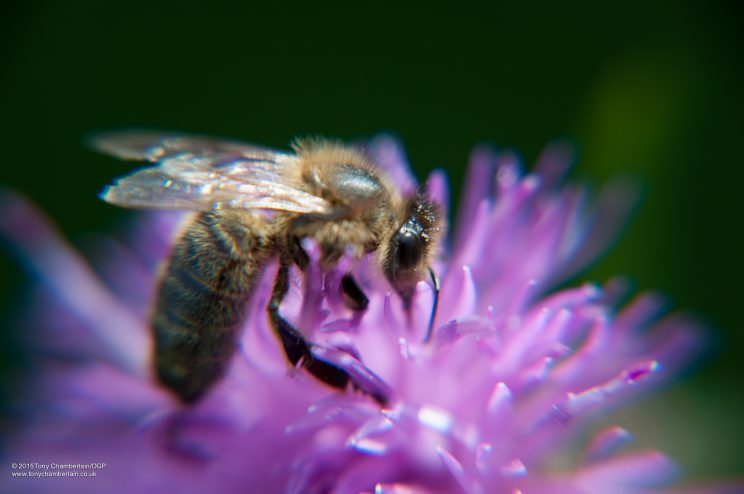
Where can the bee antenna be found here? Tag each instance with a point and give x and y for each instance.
(435, 283)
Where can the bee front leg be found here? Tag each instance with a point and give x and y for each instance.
(296, 347)
(354, 296)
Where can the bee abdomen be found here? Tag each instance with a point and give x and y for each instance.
(202, 297)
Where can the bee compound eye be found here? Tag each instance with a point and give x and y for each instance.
(408, 249)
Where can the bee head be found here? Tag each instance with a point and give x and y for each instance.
(411, 246)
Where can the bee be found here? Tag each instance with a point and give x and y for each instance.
(253, 205)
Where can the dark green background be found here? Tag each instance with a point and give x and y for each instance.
(654, 92)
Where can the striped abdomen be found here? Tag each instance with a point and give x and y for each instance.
(202, 298)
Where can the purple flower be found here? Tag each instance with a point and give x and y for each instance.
(513, 373)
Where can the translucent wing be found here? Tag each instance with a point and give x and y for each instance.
(199, 173)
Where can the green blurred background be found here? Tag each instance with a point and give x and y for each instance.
(650, 91)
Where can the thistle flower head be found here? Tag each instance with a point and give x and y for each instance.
(493, 402)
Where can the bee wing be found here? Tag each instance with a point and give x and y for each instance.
(199, 173)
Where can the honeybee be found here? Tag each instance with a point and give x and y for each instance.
(255, 204)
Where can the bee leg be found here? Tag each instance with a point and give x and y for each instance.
(296, 347)
(297, 253)
(354, 297)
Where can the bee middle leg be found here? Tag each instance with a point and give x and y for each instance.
(296, 347)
